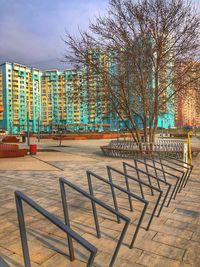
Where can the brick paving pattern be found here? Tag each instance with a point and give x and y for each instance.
(173, 239)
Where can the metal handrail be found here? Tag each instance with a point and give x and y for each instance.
(113, 185)
(182, 164)
(127, 177)
(19, 198)
(176, 186)
(183, 174)
(94, 200)
(172, 159)
(152, 177)
(163, 164)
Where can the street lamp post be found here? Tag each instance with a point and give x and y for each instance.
(162, 127)
(38, 136)
(11, 127)
(28, 130)
(118, 127)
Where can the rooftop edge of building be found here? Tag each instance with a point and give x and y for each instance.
(33, 68)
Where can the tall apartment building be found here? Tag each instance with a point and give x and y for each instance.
(187, 106)
(47, 100)
(1, 97)
(53, 100)
(21, 97)
(86, 105)
(50, 99)
(187, 102)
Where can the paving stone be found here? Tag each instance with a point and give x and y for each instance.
(59, 260)
(15, 260)
(160, 249)
(196, 237)
(192, 255)
(172, 240)
(172, 230)
(102, 244)
(179, 217)
(183, 225)
(5, 252)
(38, 253)
(103, 259)
(188, 212)
(153, 260)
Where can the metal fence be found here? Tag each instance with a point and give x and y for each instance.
(20, 198)
(128, 149)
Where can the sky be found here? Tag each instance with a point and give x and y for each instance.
(31, 31)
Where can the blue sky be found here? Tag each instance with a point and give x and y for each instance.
(31, 30)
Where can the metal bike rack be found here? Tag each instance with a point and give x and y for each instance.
(140, 182)
(94, 201)
(150, 176)
(163, 165)
(182, 164)
(147, 166)
(91, 175)
(158, 180)
(19, 198)
(3, 263)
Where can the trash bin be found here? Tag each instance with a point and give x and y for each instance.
(23, 139)
(33, 149)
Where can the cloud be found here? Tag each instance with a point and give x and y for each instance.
(30, 31)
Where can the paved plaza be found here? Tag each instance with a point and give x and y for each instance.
(173, 239)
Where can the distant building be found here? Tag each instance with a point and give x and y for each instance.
(50, 100)
(187, 101)
(187, 108)
(21, 91)
(1, 97)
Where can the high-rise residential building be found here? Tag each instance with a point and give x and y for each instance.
(21, 97)
(187, 107)
(1, 97)
(86, 105)
(49, 100)
(53, 100)
(73, 99)
(76, 99)
(187, 101)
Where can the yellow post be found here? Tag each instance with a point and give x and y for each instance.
(189, 147)
(185, 152)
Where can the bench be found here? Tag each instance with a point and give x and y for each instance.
(128, 153)
(179, 135)
(129, 149)
(10, 139)
(12, 151)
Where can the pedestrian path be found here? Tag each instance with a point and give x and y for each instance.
(173, 239)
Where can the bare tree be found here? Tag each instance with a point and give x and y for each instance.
(143, 52)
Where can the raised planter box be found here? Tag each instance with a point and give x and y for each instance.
(10, 139)
(85, 136)
(12, 151)
(180, 135)
(69, 138)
